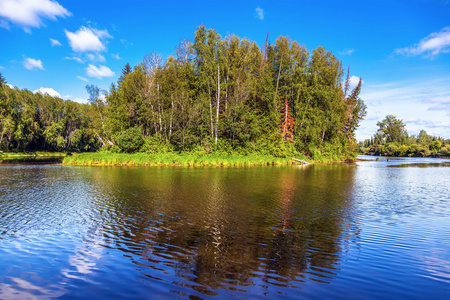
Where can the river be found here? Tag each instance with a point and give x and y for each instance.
(370, 230)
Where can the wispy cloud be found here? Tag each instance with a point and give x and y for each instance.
(259, 13)
(95, 57)
(75, 58)
(47, 91)
(99, 72)
(87, 39)
(82, 78)
(347, 52)
(439, 103)
(33, 64)
(432, 45)
(55, 42)
(30, 13)
(126, 43)
(116, 56)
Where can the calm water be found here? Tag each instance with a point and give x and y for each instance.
(367, 231)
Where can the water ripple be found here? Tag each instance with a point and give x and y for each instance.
(328, 232)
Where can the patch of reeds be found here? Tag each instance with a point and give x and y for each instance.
(105, 158)
(31, 154)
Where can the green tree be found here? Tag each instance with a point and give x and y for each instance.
(2, 80)
(125, 71)
(392, 130)
(356, 110)
(131, 140)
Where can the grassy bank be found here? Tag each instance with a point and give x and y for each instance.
(36, 154)
(173, 159)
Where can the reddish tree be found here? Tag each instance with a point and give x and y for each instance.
(287, 126)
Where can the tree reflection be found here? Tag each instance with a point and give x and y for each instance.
(215, 230)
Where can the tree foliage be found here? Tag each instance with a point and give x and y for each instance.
(41, 122)
(131, 140)
(392, 129)
(2, 80)
(223, 94)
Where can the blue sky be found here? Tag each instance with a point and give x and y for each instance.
(400, 48)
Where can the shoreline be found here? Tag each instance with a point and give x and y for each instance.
(407, 156)
(177, 160)
(37, 154)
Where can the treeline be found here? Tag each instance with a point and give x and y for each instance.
(228, 95)
(392, 139)
(31, 122)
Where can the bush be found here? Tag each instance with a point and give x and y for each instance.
(115, 149)
(156, 144)
(131, 140)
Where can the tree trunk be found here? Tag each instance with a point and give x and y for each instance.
(226, 95)
(171, 117)
(278, 80)
(210, 111)
(218, 102)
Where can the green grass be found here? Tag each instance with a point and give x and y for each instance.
(31, 154)
(170, 159)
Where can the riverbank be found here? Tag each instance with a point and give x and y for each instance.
(37, 154)
(174, 159)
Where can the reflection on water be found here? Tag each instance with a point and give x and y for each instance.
(33, 160)
(340, 231)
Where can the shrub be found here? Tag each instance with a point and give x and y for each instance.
(131, 140)
(156, 144)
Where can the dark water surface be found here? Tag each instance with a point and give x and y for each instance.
(375, 230)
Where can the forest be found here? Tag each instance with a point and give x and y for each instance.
(213, 95)
(392, 139)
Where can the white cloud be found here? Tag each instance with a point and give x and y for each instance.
(100, 72)
(81, 100)
(347, 52)
(10, 85)
(77, 59)
(354, 80)
(442, 100)
(55, 42)
(87, 39)
(82, 78)
(32, 64)
(48, 91)
(95, 57)
(432, 45)
(29, 13)
(116, 56)
(259, 13)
